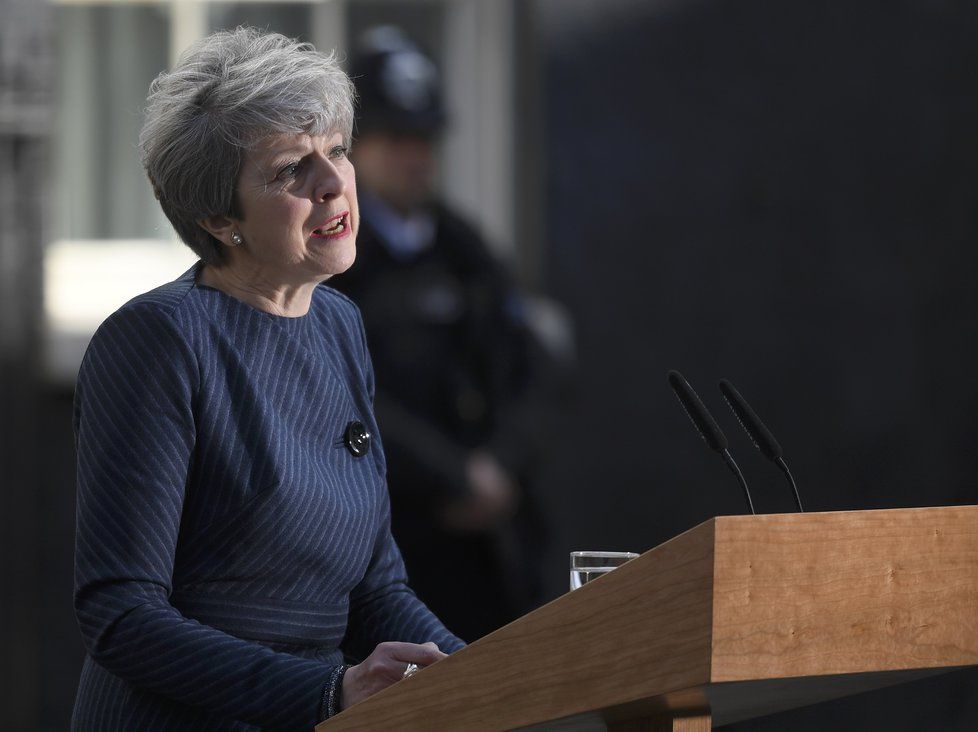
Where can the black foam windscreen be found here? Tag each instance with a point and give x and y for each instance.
(697, 412)
(751, 423)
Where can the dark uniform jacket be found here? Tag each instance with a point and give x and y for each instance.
(456, 371)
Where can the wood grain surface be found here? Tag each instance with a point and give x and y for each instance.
(847, 592)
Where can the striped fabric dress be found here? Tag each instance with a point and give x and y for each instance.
(230, 547)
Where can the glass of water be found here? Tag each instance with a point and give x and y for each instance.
(586, 566)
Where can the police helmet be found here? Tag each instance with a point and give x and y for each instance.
(398, 86)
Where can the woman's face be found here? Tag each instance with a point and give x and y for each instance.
(297, 197)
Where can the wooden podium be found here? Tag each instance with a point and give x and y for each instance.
(739, 617)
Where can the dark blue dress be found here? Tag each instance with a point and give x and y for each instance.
(230, 547)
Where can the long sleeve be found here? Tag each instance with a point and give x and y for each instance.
(521, 384)
(435, 460)
(530, 389)
(135, 435)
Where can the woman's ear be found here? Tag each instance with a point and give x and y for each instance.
(220, 227)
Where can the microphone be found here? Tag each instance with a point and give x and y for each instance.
(707, 427)
(759, 433)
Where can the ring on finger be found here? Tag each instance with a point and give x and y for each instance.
(412, 668)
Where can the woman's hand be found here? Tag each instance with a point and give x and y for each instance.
(383, 667)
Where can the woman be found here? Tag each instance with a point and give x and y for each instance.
(233, 539)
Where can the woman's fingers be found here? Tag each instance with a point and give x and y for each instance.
(424, 654)
(383, 667)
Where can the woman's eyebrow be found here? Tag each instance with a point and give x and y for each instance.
(286, 151)
(273, 159)
(274, 156)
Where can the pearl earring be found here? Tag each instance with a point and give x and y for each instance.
(236, 239)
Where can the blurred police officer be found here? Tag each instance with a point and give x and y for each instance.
(457, 371)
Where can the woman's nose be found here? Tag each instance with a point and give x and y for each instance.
(329, 183)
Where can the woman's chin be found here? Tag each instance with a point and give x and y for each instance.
(339, 265)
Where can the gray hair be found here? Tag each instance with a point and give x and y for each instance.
(228, 91)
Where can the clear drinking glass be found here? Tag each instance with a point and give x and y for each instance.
(586, 566)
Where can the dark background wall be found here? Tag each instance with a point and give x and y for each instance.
(783, 194)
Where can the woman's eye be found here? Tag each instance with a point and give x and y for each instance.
(339, 151)
(289, 171)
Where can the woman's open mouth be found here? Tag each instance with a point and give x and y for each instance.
(334, 228)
